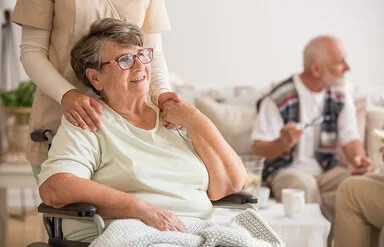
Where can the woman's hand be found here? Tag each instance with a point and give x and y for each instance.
(161, 219)
(166, 97)
(180, 113)
(81, 110)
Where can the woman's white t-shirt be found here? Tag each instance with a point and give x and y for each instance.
(158, 165)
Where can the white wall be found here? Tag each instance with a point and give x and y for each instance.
(227, 42)
(209, 36)
(7, 4)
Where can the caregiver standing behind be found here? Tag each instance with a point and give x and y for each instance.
(50, 29)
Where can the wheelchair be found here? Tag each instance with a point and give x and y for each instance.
(52, 217)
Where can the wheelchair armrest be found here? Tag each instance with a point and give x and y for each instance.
(237, 198)
(42, 136)
(74, 210)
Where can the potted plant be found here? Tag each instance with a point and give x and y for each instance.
(17, 106)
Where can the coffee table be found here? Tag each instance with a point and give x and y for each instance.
(309, 229)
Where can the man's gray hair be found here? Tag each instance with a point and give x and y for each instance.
(86, 52)
(315, 51)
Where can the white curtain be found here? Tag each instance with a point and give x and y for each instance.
(7, 4)
(10, 70)
(10, 67)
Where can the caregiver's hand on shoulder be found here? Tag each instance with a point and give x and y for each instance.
(81, 110)
(181, 113)
(167, 96)
(161, 219)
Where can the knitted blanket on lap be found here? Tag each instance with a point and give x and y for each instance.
(246, 229)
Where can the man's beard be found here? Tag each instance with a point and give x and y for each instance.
(333, 81)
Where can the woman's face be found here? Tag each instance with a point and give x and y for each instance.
(116, 82)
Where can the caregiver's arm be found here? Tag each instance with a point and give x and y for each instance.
(227, 174)
(80, 109)
(159, 73)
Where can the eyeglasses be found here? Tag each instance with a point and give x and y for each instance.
(126, 61)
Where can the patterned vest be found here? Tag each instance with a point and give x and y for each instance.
(286, 99)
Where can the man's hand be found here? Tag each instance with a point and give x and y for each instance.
(167, 96)
(290, 135)
(81, 110)
(382, 152)
(180, 113)
(361, 165)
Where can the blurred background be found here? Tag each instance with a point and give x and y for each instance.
(215, 44)
(228, 42)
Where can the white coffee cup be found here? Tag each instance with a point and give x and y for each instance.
(293, 201)
(262, 200)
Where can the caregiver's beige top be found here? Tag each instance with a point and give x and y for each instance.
(158, 165)
(68, 20)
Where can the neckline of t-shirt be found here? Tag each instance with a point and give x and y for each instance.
(306, 90)
(117, 115)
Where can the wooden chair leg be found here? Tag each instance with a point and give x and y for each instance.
(3, 215)
(330, 237)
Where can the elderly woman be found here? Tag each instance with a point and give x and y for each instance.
(134, 167)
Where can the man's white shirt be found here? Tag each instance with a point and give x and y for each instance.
(269, 122)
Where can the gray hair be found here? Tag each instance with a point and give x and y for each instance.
(316, 50)
(86, 52)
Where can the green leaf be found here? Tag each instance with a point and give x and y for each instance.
(9, 98)
(21, 97)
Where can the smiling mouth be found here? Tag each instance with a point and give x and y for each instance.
(139, 79)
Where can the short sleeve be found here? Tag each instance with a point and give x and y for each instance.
(34, 13)
(347, 122)
(268, 122)
(183, 134)
(74, 151)
(156, 18)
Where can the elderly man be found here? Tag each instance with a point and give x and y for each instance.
(359, 211)
(301, 122)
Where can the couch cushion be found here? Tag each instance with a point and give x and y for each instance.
(361, 114)
(235, 122)
(375, 120)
